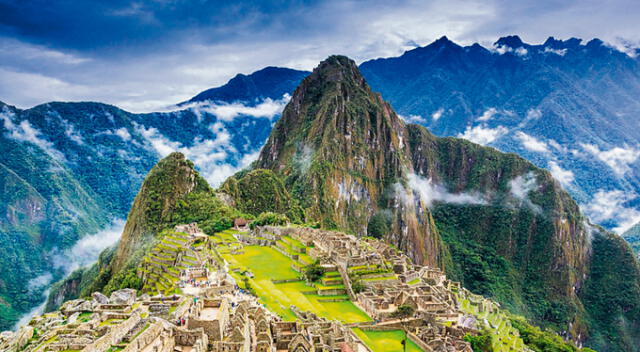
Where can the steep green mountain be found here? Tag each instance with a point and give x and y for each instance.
(633, 237)
(502, 226)
(44, 208)
(259, 191)
(172, 193)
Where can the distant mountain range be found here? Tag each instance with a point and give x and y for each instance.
(70, 169)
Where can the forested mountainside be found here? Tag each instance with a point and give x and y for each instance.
(494, 221)
(567, 106)
(69, 169)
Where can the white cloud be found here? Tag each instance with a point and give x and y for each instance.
(521, 186)
(610, 206)
(618, 159)
(123, 133)
(39, 281)
(531, 143)
(209, 155)
(24, 320)
(71, 132)
(413, 119)
(86, 251)
(268, 108)
(565, 177)
(482, 134)
(437, 114)
(503, 49)
(560, 52)
(26, 133)
(487, 114)
(430, 192)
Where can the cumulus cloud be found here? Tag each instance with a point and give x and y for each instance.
(565, 177)
(413, 119)
(211, 156)
(437, 114)
(430, 192)
(482, 134)
(24, 132)
(531, 143)
(86, 251)
(618, 159)
(487, 114)
(610, 206)
(268, 108)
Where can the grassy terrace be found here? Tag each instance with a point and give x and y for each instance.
(386, 341)
(268, 264)
(505, 338)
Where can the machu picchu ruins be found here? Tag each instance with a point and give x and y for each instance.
(202, 293)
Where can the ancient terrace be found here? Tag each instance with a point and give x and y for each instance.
(247, 291)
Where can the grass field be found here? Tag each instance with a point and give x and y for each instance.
(267, 264)
(386, 341)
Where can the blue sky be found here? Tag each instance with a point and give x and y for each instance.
(146, 54)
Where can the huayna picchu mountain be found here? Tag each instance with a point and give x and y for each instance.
(494, 221)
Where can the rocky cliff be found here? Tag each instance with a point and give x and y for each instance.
(343, 153)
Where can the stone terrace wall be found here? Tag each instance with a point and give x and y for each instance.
(145, 338)
(115, 335)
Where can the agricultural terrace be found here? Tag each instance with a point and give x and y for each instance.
(263, 267)
(386, 341)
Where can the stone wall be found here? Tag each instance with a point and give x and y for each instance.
(145, 338)
(114, 335)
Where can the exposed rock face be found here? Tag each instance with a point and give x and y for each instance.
(341, 149)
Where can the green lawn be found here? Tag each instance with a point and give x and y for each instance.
(386, 341)
(266, 264)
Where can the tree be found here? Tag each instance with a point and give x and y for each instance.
(314, 271)
(403, 311)
(357, 286)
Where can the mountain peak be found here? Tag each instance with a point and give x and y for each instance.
(337, 68)
(269, 82)
(169, 181)
(512, 41)
(554, 43)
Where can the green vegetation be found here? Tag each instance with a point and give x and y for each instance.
(543, 341)
(480, 343)
(403, 311)
(260, 191)
(484, 262)
(610, 295)
(267, 264)
(269, 218)
(313, 272)
(386, 341)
